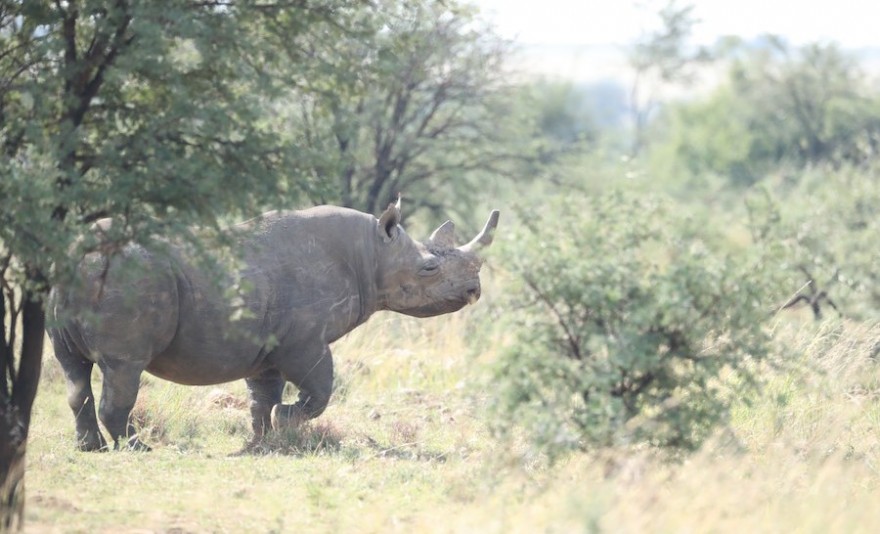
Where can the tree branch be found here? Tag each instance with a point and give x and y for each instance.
(99, 60)
(573, 340)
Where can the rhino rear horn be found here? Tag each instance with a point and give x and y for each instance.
(484, 238)
(444, 235)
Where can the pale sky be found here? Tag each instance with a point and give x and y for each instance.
(852, 23)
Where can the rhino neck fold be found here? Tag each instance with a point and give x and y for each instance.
(365, 264)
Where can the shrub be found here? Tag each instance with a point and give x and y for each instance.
(823, 230)
(627, 323)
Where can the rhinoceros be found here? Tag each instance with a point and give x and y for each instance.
(307, 277)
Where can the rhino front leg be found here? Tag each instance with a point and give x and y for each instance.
(118, 395)
(265, 392)
(313, 376)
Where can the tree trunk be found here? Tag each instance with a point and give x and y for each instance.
(15, 411)
(13, 443)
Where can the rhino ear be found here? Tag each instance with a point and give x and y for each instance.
(444, 235)
(388, 222)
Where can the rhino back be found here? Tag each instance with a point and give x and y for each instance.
(318, 267)
(305, 277)
(300, 284)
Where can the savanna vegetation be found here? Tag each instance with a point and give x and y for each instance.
(679, 324)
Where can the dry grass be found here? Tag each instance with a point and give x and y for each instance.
(404, 447)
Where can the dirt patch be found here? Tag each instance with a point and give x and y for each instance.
(218, 398)
(50, 501)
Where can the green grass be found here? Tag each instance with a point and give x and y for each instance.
(404, 447)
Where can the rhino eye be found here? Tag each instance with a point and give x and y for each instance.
(430, 268)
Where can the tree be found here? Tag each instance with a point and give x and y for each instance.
(709, 137)
(658, 59)
(417, 106)
(152, 113)
(781, 106)
(810, 104)
(564, 115)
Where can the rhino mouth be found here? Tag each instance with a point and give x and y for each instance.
(473, 295)
(440, 308)
(450, 304)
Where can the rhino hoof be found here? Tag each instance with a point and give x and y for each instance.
(134, 444)
(255, 446)
(285, 416)
(91, 442)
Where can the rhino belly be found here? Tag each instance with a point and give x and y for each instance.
(208, 350)
(195, 368)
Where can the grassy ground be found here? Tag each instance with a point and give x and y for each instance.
(405, 447)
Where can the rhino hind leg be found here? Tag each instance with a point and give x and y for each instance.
(118, 395)
(78, 372)
(314, 379)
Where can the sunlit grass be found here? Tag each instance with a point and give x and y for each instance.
(404, 447)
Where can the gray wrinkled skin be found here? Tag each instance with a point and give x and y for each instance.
(309, 277)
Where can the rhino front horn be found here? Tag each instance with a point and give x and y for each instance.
(484, 238)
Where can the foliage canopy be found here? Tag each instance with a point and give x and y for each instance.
(416, 105)
(155, 114)
(781, 106)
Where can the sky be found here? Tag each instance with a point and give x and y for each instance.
(584, 40)
(852, 23)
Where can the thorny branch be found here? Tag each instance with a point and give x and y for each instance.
(814, 297)
(573, 340)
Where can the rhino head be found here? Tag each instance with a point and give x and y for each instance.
(424, 279)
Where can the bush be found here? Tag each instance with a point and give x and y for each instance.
(823, 230)
(627, 324)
